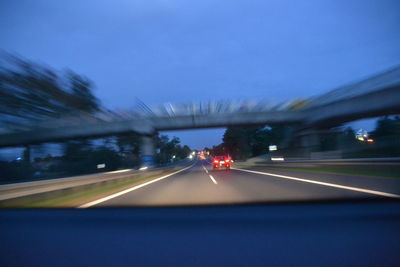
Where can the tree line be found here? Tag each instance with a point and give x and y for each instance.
(242, 143)
(31, 93)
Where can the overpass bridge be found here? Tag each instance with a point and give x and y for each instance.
(375, 96)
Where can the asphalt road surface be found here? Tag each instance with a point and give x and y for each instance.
(200, 184)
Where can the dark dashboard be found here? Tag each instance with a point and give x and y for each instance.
(331, 233)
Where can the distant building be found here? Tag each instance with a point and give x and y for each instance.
(362, 135)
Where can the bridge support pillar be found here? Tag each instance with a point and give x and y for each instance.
(147, 151)
(317, 140)
(308, 141)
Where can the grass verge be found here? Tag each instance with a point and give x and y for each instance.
(75, 196)
(385, 171)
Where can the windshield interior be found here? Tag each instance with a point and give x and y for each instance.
(165, 103)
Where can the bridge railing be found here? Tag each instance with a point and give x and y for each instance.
(379, 81)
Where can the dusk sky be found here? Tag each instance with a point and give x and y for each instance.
(184, 51)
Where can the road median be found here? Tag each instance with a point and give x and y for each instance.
(78, 195)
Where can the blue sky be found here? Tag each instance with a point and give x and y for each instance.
(180, 51)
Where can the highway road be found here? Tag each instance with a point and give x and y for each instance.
(199, 184)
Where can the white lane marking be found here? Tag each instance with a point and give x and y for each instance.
(212, 179)
(95, 202)
(379, 193)
(205, 169)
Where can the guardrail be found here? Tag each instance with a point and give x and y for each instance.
(64, 186)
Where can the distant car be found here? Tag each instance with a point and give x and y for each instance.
(222, 162)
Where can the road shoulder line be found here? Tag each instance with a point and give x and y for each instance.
(368, 191)
(95, 202)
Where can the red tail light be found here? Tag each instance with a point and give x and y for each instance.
(227, 160)
(215, 161)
